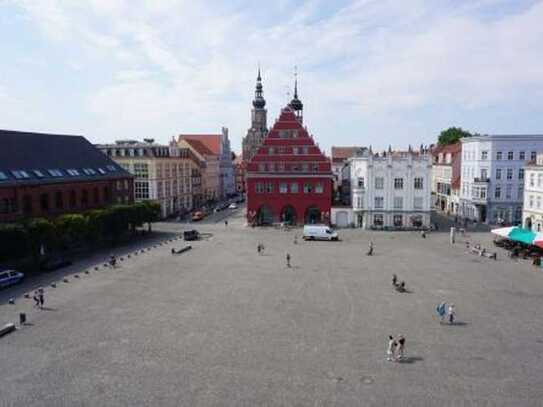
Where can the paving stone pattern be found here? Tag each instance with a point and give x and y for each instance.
(221, 325)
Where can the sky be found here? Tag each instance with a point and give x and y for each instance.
(370, 72)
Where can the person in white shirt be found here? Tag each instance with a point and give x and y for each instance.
(452, 313)
(391, 348)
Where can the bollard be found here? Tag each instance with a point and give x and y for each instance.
(96, 268)
(11, 301)
(128, 256)
(22, 318)
(87, 271)
(65, 280)
(76, 276)
(53, 285)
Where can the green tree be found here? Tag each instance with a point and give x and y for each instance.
(13, 241)
(452, 135)
(41, 233)
(72, 228)
(116, 221)
(150, 213)
(95, 226)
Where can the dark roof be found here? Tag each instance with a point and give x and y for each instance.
(23, 151)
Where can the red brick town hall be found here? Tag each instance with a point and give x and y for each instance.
(289, 179)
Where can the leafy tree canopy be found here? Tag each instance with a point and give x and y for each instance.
(452, 135)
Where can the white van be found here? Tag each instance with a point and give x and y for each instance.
(319, 232)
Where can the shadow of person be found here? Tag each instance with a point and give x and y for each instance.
(48, 309)
(410, 359)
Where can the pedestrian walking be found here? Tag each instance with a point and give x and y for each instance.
(394, 280)
(226, 223)
(442, 312)
(452, 313)
(41, 296)
(400, 348)
(370, 249)
(259, 248)
(295, 239)
(36, 298)
(391, 348)
(423, 234)
(288, 260)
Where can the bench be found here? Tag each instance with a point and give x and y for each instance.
(7, 328)
(182, 250)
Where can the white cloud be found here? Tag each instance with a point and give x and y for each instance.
(184, 63)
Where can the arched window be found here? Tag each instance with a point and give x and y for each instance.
(73, 199)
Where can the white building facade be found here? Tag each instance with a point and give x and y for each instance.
(532, 212)
(227, 178)
(492, 176)
(392, 190)
(446, 178)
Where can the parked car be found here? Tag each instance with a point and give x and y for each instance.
(191, 235)
(54, 263)
(10, 277)
(198, 215)
(319, 232)
(232, 206)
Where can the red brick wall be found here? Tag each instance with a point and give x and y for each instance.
(300, 201)
(33, 194)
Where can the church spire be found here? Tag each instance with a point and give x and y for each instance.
(259, 102)
(296, 104)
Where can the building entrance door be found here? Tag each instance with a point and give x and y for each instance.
(264, 216)
(312, 215)
(288, 215)
(482, 214)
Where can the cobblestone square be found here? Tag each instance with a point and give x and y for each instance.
(222, 325)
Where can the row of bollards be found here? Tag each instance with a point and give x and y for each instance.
(22, 316)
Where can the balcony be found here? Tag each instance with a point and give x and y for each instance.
(480, 180)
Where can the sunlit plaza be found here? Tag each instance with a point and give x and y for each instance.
(221, 325)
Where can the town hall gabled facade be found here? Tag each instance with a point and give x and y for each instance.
(289, 179)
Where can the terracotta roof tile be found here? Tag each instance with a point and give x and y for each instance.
(199, 146)
(211, 141)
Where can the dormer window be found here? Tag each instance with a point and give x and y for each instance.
(102, 171)
(55, 173)
(73, 172)
(20, 174)
(3, 176)
(38, 173)
(111, 168)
